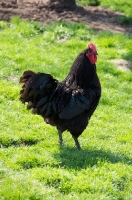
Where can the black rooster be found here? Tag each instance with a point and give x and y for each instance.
(69, 104)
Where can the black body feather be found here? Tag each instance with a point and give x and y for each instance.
(69, 104)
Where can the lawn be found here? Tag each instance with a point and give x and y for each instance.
(33, 165)
(115, 5)
(120, 6)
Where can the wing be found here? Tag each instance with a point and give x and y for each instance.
(81, 100)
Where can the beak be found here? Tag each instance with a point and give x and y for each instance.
(95, 53)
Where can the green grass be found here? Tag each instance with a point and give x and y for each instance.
(115, 5)
(33, 165)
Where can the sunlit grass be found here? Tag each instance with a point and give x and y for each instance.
(121, 6)
(114, 5)
(33, 165)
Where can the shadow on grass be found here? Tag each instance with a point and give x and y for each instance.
(127, 56)
(125, 20)
(8, 142)
(75, 159)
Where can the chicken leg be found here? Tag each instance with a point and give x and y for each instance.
(60, 137)
(77, 143)
(61, 140)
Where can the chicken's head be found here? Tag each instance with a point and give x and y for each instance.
(92, 53)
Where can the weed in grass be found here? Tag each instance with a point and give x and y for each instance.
(89, 2)
(126, 20)
(119, 6)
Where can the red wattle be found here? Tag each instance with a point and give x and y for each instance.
(92, 58)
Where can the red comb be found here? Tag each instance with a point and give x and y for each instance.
(92, 46)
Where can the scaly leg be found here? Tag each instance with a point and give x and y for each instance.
(60, 137)
(77, 143)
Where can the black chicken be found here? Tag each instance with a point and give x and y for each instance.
(69, 104)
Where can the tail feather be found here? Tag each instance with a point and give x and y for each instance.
(38, 91)
(25, 79)
(26, 75)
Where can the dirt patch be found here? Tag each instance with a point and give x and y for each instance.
(96, 17)
(123, 64)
